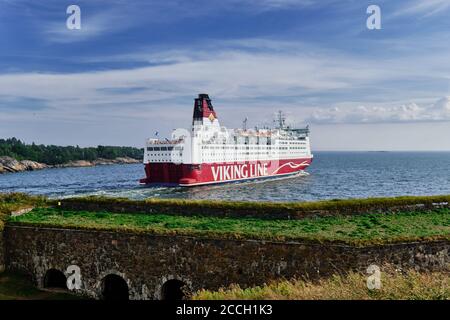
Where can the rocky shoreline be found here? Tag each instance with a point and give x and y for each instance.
(8, 164)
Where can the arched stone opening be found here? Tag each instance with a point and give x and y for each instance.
(55, 279)
(114, 287)
(173, 290)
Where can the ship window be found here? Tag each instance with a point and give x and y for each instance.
(157, 148)
(149, 148)
(163, 148)
(170, 148)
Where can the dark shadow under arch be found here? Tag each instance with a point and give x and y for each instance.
(173, 290)
(55, 279)
(114, 287)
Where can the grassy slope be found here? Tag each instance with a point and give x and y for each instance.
(371, 228)
(335, 206)
(409, 286)
(16, 201)
(18, 287)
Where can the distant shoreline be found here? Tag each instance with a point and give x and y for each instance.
(11, 165)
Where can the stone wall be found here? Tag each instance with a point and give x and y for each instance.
(146, 262)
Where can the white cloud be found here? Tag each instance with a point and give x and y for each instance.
(425, 8)
(442, 107)
(120, 16)
(92, 26)
(244, 74)
(228, 74)
(439, 111)
(277, 4)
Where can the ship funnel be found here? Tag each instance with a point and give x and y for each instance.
(203, 109)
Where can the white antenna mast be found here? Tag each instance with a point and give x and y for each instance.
(244, 124)
(280, 119)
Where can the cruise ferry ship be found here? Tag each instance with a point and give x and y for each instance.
(209, 153)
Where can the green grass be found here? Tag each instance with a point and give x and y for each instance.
(298, 205)
(15, 201)
(410, 285)
(266, 210)
(363, 229)
(269, 210)
(14, 286)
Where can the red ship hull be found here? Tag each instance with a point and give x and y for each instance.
(211, 173)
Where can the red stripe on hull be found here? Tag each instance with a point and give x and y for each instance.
(189, 175)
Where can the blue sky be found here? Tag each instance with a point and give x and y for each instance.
(135, 67)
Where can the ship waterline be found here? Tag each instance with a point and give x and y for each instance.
(212, 173)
